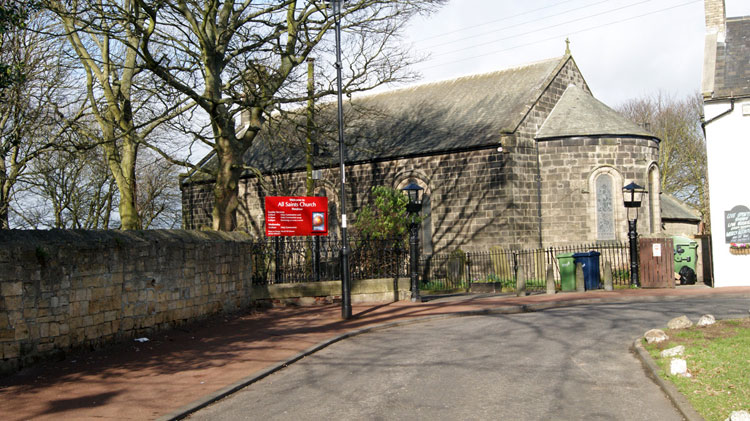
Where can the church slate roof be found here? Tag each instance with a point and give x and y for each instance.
(673, 209)
(732, 74)
(459, 114)
(577, 113)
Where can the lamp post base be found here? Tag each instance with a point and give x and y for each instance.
(633, 237)
(414, 261)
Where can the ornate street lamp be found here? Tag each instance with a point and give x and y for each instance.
(346, 299)
(631, 196)
(414, 193)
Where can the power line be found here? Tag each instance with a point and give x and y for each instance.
(508, 27)
(493, 21)
(569, 33)
(546, 28)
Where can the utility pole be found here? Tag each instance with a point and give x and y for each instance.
(346, 300)
(310, 128)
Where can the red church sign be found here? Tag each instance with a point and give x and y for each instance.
(296, 216)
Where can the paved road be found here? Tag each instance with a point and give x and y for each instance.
(567, 364)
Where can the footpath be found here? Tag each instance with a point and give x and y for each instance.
(178, 371)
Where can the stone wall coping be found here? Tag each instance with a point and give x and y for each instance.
(93, 237)
(328, 288)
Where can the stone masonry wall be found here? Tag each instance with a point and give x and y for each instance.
(468, 195)
(568, 197)
(197, 205)
(524, 167)
(69, 289)
(715, 15)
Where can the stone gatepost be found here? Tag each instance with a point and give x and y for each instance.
(521, 283)
(580, 286)
(608, 285)
(550, 279)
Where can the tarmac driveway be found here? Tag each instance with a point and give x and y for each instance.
(567, 363)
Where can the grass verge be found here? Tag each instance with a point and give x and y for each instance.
(718, 360)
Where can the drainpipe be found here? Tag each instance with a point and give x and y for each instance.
(539, 191)
(705, 123)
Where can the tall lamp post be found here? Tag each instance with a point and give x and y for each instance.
(346, 301)
(631, 196)
(414, 192)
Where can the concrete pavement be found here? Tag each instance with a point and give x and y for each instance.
(568, 363)
(184, 369)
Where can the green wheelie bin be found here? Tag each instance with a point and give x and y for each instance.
(685, 258)
(567, 271)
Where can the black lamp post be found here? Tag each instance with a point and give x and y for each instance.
(414, 193)
(631, 196)
(346, 300)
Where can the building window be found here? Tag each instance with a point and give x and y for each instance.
(605, 216)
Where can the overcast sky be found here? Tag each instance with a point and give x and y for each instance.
(624, 48)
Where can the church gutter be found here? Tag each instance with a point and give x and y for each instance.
(379, 160)
(246, 175)
(598, 136)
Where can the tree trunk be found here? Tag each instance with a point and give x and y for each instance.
(122, 166)
(4, 222)
(226, 189)
(4, 197)
(128, 213)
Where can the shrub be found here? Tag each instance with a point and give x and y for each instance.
(385, 217)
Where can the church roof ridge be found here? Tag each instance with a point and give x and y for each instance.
(458, 79)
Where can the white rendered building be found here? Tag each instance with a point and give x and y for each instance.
(726, 93)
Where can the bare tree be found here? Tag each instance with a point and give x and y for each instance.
(76, 190)
(682, 151)
(158, 195)
(29, 111)
(126, 103)
(13, 16)
(230, 57)
(68, 189)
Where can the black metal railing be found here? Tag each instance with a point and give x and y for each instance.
(458, 270)
(311, 259)
(616, 254)
(280, 260)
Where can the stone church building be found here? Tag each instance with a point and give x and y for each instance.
(519, 158)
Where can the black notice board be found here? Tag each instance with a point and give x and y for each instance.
(737, 225)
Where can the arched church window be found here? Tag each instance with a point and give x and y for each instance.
(605, 216)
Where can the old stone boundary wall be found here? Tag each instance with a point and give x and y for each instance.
(62, 290)
(66, 289)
